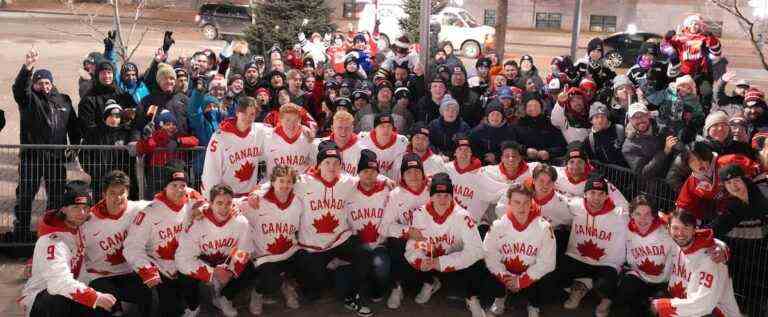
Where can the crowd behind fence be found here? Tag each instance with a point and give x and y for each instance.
(52, 165)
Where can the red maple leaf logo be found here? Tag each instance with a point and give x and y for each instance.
(449, 269)
(280, 246)
(515, 265)
(201, 274)
(326, 224)
(245, 172)
(651, 268)
(168, 252)
(214, 259)
(677, 290)
(417, 264)
(590, 250)
(437, 251)
(116, 257)
(84, 295)
(369, 233)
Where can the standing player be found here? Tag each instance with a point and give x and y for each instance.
(53, 289)
(287, 145)
(388, 145)
(151, 244)
(342, 133)
(233, 154)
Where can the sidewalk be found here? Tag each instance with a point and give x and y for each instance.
(127, 11)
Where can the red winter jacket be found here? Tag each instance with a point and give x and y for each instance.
(160, 139)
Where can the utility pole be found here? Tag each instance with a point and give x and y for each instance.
(575, 30)
(426, 12)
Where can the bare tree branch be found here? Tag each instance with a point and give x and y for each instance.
(747, 25)
(138, 44)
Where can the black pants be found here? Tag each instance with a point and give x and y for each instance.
(313, 275)
(632, 296)
(470, 281)
(402, 271)
(126, 288)
(34, 165)
(534, 293)
(47, 305)
(748, 267)
(265, 279)
(605, 277)
(176, 295)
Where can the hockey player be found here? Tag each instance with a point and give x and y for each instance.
(472, 190)
(697, 285)
(519, 251)
(150, 247)
(366, 210)
(384, 140)
(287, 145)
(449, 244)
(53, 289)
(274, 236)
(432, 162)
(233, 154)
(577, 170)
(104, 232)
(342, 133)
(596, 246)
(512, 169)
(325, 233)
(404, 200)
(213, 250)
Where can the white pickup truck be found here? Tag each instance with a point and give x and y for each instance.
(456, 25)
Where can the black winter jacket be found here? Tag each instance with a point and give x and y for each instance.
(91, 108)
(175, 102)
(605, 146)
(441, 134)
(486, 139)
(539, 133)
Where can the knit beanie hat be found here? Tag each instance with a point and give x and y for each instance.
(441, 184)
(419, 128)
(411, 160)
(164, 70)
(714, 118)
(574, 150)
(495, 106)
(367, 160)
(327, 149)
(77, 193)
(173, 170)
(360, 94)
(166, 116)
(382, 118)
(447, 102)
(462, 139)
(753, 96)
(217, 81)
(620, 80)
(42, 74)
(596, 182)
(730, 172)
(597, 108)
(111, 107)
(595, 44)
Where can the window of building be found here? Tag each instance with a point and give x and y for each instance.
(546, 20)
(602, 23)
(489, 17)
(348, 9)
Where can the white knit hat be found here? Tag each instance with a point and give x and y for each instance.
(714, 118)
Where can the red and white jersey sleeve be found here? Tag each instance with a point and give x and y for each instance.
(324, 222)
(280, 149)
(398, 216)
(56, 263)
(598, 237)
(500, 174)
(554, 208)
(525, 251)
(232, 158)
(366, 212)
(350, 153)
(150, 247)
(388, 152)
(208, 243)
(452, 238)
(698, 285)
(648, 254)
(104, 237)
(274, 228)
(473, 190)
(571, 188)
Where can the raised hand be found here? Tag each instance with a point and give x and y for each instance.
(109, 41)
(31, 58)
(728, 76)
(160, 55)
(168, 40)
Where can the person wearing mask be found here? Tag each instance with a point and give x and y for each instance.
(542, 141)
(648, 152)
(488, 135)
(47, 117)
(605, 139)
(427, 108)
(442, 129)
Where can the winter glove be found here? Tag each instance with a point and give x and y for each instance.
(132, 149)
(327, 37)
(168, 41)
(148, 130)
(226, 51)
(674, 59)
(2, 120)
(109, 41)
(302, 37)
(119, 143)
(171, 145)
(70, 154)
(670, 34)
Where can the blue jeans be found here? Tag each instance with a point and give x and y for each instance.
(381, 268)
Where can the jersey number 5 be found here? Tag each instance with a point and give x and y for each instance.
(213, 146)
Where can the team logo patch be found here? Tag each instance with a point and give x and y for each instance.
(575, 154)
(331, 152)
(81, 200)
(464, 142)
(441, 187)
(598, 185)
(373, 164)
(178, 175)
(413, 163)
(385, 120)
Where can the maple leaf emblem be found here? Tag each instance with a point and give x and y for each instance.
(280, 245)
(84, 295)
(240, 261)
(651, 268)
(168, 252)
(116, 257)
(214, 259)
(245, 172)
(369, 233)
(326, 224)
(590, 250)
(201, 274)
(437, 251)
(417, 264)
(449, 269)
(678, 291)
(515, 265)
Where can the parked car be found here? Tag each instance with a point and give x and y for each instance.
(218, 19)
(622, 48)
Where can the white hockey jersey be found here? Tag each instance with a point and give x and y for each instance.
(388, 152)
(598, 237)
(104, 236)
(324, 222)
(699, 286)
(648, 254)
(524, 251)
(572, 188)
(502, 175)
(274, 227)
(279, 149)
(56, 263)
(150, 247)
(350, 153)
(431, 162)
(232, 157)
(554, 208)
(208, 243)
(403, 202)
(570, 133)
(472, 189)
(366, 211)
(452, 238)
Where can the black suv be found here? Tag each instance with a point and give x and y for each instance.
(216, 20)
